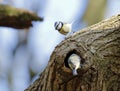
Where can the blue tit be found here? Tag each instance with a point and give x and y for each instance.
(63, 28)
(74, 62)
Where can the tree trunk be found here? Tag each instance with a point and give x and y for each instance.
(99, 48)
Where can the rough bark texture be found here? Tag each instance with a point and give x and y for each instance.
(99, 48)
(16, 18)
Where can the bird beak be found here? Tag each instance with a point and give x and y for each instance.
(75, 72)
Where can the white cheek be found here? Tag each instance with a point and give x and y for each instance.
(71, 66)
(59, 26)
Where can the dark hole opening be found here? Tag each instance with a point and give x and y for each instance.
(68, 55)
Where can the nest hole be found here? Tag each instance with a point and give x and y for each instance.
(68, 55)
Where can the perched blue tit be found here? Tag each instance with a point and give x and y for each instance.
(63, 28)
(74, 62)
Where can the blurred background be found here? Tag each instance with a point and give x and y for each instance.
(24, 54)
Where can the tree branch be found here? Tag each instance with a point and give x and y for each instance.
(16, 18)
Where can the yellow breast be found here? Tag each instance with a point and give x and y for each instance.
(65, 29)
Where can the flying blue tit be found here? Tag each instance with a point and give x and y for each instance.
(63, 28)
(74, 62)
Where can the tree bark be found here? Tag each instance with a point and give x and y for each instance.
(99, 48)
